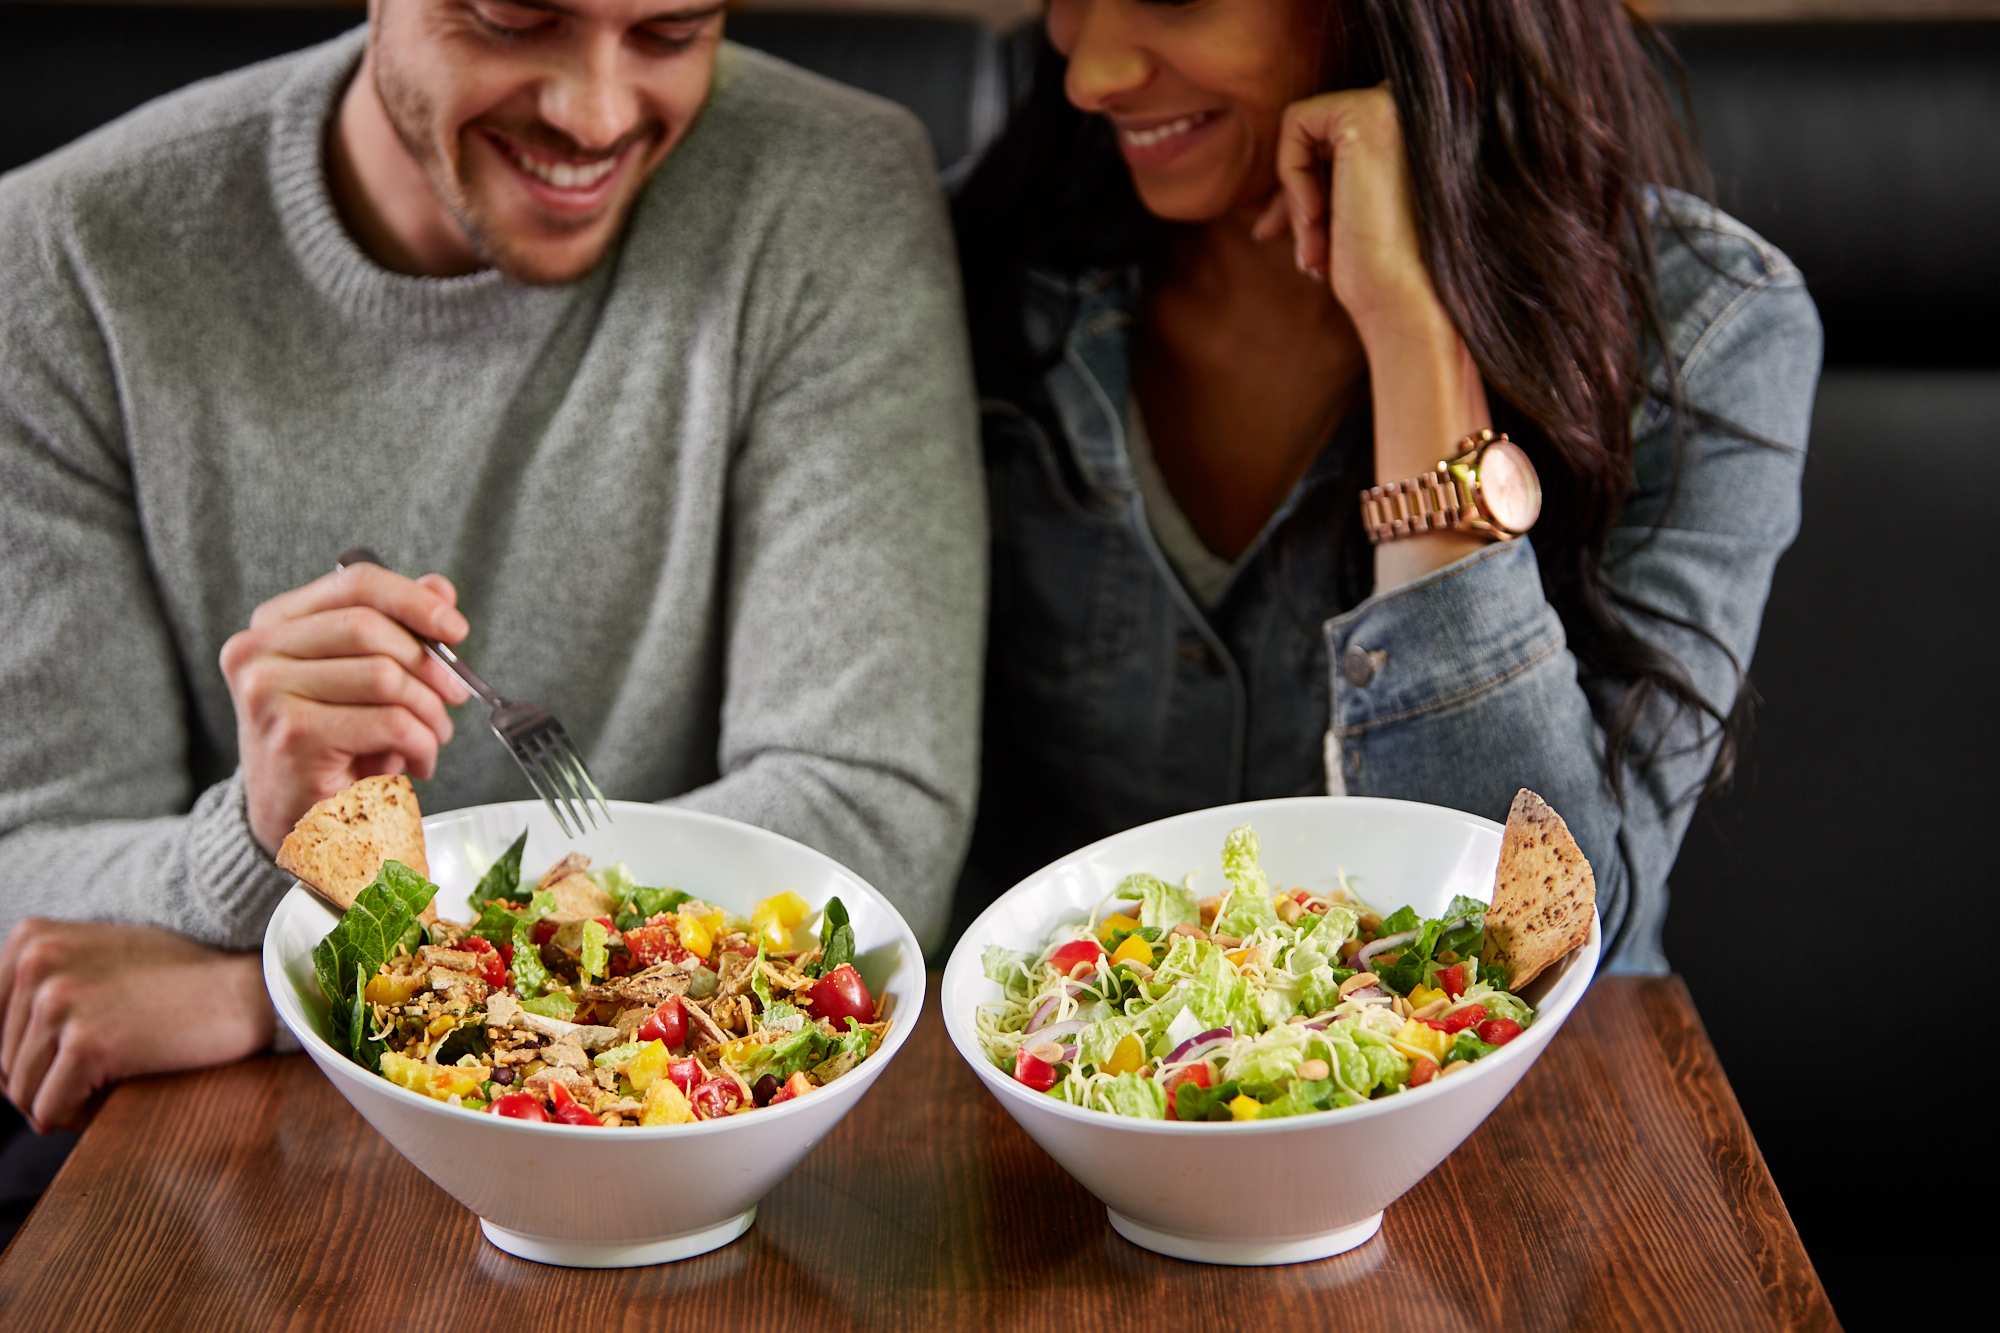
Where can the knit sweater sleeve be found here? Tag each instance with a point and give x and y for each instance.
(100, 814)
(855, 596)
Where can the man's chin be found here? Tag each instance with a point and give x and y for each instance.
(542, 260)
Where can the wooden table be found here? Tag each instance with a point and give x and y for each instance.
(1618, 1187)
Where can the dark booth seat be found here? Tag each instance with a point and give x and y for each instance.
(1871, 154)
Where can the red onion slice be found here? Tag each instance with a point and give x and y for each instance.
(1202, 1039)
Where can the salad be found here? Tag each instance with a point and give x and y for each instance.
(1250, 1004)
(585, 998)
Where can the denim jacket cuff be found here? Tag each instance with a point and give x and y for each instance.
(1440, 640)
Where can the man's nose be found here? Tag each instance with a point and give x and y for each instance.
(589, 98)
(1105, 63)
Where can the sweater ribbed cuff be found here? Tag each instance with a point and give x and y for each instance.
(231, 882)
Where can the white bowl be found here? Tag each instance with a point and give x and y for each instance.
(1264, 1191)
(606, 1198)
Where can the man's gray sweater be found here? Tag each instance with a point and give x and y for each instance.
(717, 504)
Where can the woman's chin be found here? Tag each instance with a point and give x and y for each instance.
(1174, 201)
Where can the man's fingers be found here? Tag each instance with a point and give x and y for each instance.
(363, 683)
(420, 605)
(63, 1099)
(36, 1045)
(355, 730)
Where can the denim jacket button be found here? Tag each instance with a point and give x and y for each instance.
(1357, 665)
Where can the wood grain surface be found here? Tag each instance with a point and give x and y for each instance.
(1618, 1187)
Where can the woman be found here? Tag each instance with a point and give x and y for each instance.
(1235, 262)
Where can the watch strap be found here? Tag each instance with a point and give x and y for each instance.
(1429, 503)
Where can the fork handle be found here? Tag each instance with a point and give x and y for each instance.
(449, 660)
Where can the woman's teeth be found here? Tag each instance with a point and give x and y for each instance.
(1161, 133)
(564, 176)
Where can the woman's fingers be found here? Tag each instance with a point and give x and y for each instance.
(1306, 148)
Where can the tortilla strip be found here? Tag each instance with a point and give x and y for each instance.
(1543, 893)
(338, 847)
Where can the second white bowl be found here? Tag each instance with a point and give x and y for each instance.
(1264, 1191)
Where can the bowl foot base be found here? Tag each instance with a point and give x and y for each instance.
(1246, 1252)
(604, 1254)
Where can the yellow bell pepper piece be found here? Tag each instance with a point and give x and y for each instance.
(1243, 1107)
(665, 1104)
(439, 1081)
(1114, 923)
(644, 1069)
(787, 907)
(392, 990)
(697, 936)
(1423, 995)
(1133, 950)
(736, 1052)
(1126, 1056)
(771, 930)
(1423, 1037)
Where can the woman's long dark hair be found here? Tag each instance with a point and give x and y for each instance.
(1534, 129)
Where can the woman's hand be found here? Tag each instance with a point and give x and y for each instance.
(331, 686)
(1344, 187)
(85, 1005)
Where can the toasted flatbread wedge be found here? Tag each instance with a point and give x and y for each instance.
(1542, 895)
(338, 847)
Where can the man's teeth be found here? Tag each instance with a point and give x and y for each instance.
(564, 176)
(1161, 133)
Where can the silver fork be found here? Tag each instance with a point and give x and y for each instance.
(530, 732)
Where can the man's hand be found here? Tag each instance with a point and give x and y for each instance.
(331, 686)
(83, 1006)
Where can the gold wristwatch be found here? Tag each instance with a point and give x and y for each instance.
(1487, 487)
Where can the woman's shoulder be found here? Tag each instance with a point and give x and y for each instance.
(1712, 272)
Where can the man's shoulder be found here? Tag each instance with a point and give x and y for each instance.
(797, 119)
(172, 147)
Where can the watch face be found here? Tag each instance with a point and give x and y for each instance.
(1509, 490)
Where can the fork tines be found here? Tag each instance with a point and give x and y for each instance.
(555, 770)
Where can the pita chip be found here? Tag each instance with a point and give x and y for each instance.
(577, 896)
(1543, 893)
(338, 847)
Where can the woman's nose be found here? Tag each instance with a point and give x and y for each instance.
(1105, 63)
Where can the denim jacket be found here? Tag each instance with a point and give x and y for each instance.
(1114, 699)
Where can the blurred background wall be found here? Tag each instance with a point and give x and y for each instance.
(1826, 911)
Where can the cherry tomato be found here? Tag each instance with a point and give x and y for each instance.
(1422, 1072)
(1301, 897)
(519, 1106)
(623, 964)
(668, 1023)
(507, 952)
(839, 995)
(1037, 1074)
(492, 968)
(795, 1086)
(1451, 980)
(569, 1110)
(1066, 958)
(1497, 1031)
(545, 930)
(686, 1073)
(605, 922)
(1200, 1075)
(717, 1097)
(1458, 1020)
(652, 944)
(1434, 1023)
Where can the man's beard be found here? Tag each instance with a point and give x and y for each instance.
(409, 111)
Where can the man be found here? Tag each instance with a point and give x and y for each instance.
(648, 345)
